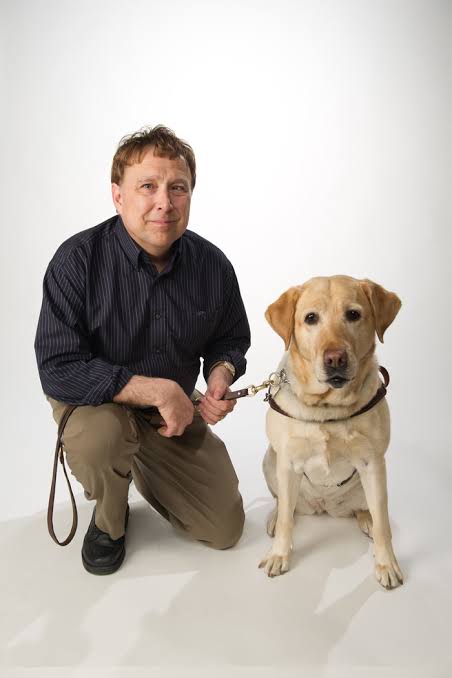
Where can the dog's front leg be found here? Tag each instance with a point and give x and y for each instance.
(373, 478)
(277, 559)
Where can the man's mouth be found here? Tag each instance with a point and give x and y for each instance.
(163, 221)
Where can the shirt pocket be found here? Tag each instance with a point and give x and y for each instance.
(196, 327)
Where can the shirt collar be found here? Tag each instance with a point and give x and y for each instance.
(131, 248)
(137, 254)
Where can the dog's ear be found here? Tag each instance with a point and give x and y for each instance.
(280, 315)
(385, 305)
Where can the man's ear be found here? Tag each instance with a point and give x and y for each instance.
(280, 315)
(117, 198)
(385, 305)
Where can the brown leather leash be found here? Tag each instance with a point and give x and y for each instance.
(59, 454)
(230, 395)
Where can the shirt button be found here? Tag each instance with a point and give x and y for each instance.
(157, 316)
(157, 350)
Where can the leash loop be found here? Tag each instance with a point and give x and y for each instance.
(59, 456)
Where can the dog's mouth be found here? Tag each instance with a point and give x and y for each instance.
(337, 381)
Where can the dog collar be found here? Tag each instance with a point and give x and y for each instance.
(379, 395)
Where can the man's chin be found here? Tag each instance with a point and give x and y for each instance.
(160, 245)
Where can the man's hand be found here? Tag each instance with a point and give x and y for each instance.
(211, 407)
(176, 409)
(174, 406)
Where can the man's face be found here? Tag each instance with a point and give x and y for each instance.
(153, 200)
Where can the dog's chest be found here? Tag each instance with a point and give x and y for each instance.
(324, 458)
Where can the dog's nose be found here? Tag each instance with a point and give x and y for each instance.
(335, 358)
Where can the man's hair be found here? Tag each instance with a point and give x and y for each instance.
(166, 144)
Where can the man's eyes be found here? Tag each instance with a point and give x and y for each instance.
(178, 188)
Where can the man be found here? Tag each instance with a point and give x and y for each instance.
(129, 308)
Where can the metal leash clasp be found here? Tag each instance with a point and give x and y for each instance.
(253, 390)
(275, 379)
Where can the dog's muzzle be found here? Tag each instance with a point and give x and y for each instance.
(335, 363)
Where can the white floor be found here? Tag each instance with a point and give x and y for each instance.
(177, 608)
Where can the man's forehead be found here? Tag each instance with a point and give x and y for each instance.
(152, 158)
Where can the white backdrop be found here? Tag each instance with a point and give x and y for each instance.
(323, 138)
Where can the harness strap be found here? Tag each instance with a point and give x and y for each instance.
(338, 484)
(379, 395)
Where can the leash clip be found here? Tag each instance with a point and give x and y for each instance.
(275, 379)
(252, 390)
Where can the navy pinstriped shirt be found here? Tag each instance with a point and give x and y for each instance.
(107, 315)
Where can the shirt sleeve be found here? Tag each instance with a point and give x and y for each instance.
(231, 338)
(68, 369)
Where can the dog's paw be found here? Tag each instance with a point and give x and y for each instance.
(365, 523)
(275, 564)
(389, 575)
(271, 522)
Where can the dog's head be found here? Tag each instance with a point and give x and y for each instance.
(331, 324)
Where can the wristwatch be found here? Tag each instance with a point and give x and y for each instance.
(224, 363)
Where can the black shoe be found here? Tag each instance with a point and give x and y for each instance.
(100, 553)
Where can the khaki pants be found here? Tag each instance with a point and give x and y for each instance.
(188, 479)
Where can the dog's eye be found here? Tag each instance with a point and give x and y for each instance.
(311, 318)
(352, 315)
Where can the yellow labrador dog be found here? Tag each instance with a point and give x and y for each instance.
(329, 429)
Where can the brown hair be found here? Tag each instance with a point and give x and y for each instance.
(132, 147)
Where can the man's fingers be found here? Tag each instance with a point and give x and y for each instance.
(217, 393)
(219, 405)
(213, 416)
(217, 390)
(167, 432)
(212, 420)
(169, 429)
(213, 411)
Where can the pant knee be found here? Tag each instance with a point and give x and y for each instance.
(228, 529)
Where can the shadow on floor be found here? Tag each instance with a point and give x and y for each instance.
(176, 602)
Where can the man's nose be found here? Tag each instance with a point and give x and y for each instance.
(335, 358)
(163, 199)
